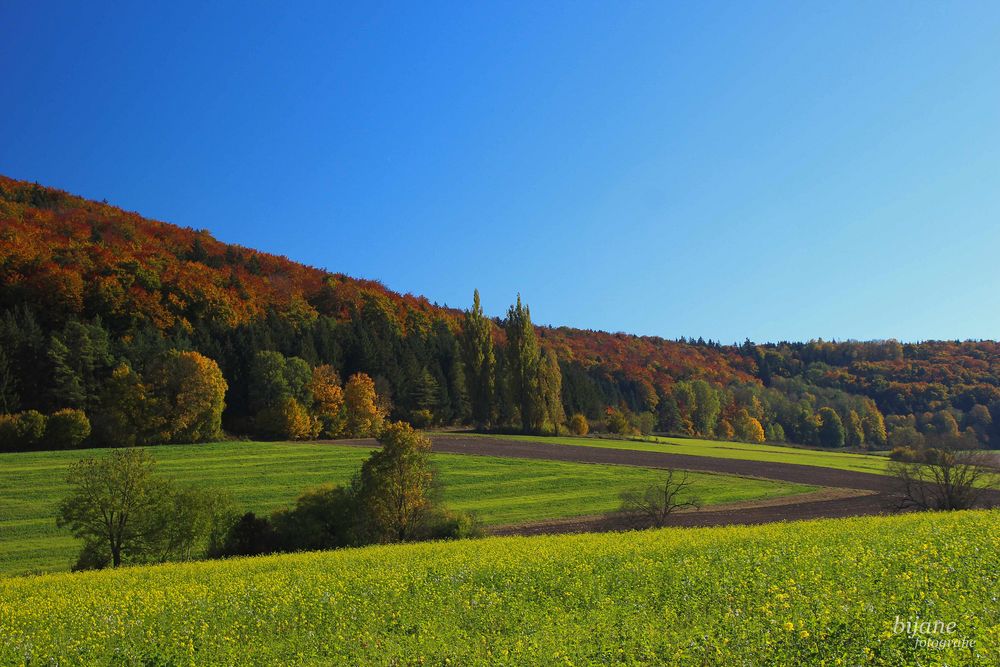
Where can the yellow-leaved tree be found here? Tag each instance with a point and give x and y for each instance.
(364, 416)
(328, 400)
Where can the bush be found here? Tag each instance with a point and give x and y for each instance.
(66, 429)
(22, 431)
(617, 422)
(249, 536)
(322, 518)
(448, 525)
(905, 454)
(578, 425)
(422, 418)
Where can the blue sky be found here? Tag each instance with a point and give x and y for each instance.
(728, 170)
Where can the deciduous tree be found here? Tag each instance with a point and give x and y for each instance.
(394, 485)
(364, 416)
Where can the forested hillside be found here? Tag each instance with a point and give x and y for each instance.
(106, 315)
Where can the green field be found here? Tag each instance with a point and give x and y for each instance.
(721, 449)
(263, 476)
(814, 593)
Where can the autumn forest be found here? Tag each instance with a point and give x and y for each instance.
(115, 329)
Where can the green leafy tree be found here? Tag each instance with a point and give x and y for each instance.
(22, 431)
(831, 428)
(479, 364)
(706, 407)
(124, 513)
(945, 424)
(775, 432)
(394, 486)
(115, 505)
(67, 386)
(267, 381)
(322, 518)
(684, 399)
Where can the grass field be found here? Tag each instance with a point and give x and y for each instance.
(264, 476)
(721, 449)
(815, 593)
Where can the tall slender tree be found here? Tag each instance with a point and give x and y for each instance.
(480, 362)
(523, 357)
(550, 386)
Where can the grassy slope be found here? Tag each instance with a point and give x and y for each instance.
(723, 449)
(811, 593)
(263, 476)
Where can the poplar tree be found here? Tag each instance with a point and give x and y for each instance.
(480, 362)
(550, 385)
(523, 359)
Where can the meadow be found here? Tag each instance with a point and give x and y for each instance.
(825, 592)
(263, 476)
(720, 449)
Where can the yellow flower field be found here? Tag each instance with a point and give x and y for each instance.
(831, 592)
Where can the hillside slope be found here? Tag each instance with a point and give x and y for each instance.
(67, 263)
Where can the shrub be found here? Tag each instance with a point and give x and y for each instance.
(66, 429)
(449, 525)
(422, 418)
(906, 454)
(578, 425)
(249, 536)
(617, 422)
(322, 518)
(22, 431)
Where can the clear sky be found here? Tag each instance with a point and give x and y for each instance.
(727, 170)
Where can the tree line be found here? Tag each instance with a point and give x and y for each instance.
(276, 381)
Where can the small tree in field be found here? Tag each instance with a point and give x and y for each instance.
(947, 476)
(112, 502)
(660, 500)
(123, 513)
(393, 488)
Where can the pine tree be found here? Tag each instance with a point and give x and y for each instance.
(67, 386)
(479, 364)
(8, 386)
